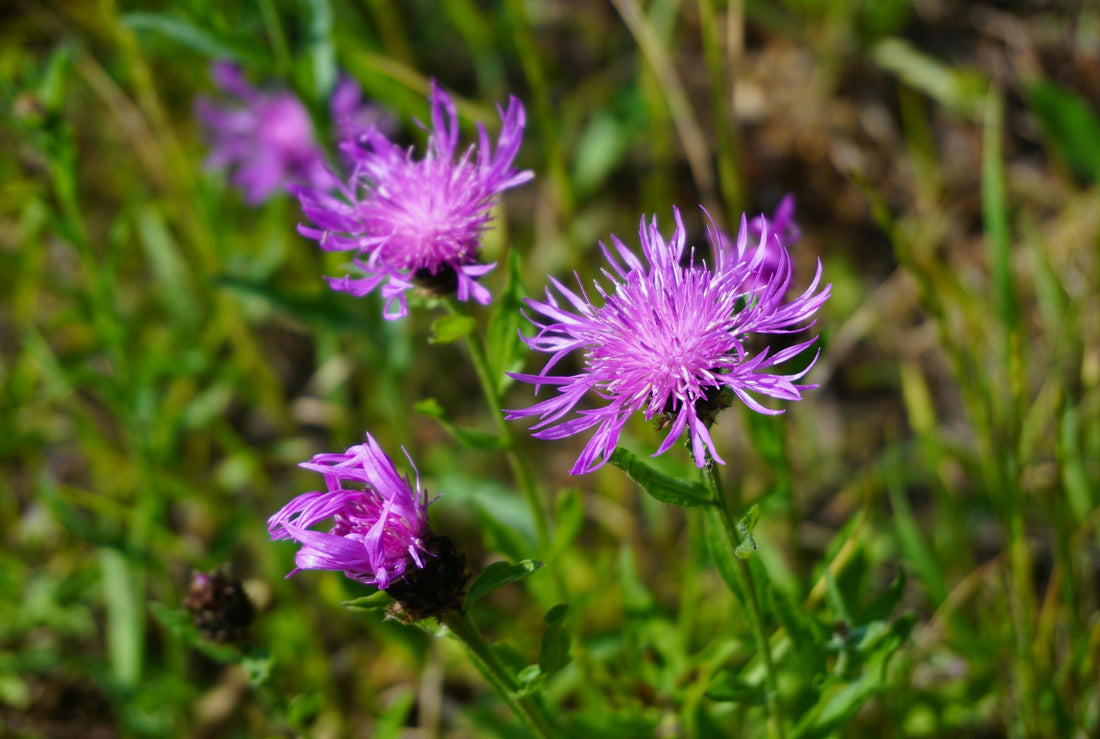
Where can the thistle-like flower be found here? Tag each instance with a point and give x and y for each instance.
(669, 339)
(380, 522)
(265, 138)
(417, 222)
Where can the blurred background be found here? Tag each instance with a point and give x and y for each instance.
(168, 354)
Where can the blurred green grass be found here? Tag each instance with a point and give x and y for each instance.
(168, 355)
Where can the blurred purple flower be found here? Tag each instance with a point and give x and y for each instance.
(380, 522)
(781, 225)
(353, 117)
(669, 339)
(417, 221)
(265, 137)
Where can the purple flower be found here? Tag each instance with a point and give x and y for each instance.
(266, 138)
(352, 116)
(380, 523)
(407, 219)
(781, 225)
(670, 339)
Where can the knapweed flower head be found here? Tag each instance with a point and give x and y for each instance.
(264, 137)
(417, 221)
(379, 521)
(670, 338)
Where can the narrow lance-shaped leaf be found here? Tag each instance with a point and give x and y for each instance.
(503, 344)
(659, 485)
(192, 36)
(497, 575)
(744, 531)
(554, 649)
(451, 328)
(471, 438)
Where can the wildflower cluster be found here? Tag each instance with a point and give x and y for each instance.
(670, 334)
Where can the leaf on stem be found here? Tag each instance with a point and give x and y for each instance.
(659, 485)
(504, 346)
(727, 687)
(497, 575)
(471, 438)
(451, 328)
(554, 649)
(192, 36)
(745, 527)
(373, 602)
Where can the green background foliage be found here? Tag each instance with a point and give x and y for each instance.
(927, 533)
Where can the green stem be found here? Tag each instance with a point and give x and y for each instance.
(748, 587)
(526, 707)
(524, 478)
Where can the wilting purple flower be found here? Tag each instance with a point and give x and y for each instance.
(380, 522)
(422, 220)
(669, 339)
(265, 138)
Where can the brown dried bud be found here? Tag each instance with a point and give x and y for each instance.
(219, 607)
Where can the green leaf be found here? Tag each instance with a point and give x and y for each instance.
(995, 211)
(177, 622)
(727, 687)
(53, 86)
(323, 309)
(497, 575)
(257, 666)
(169, 267)
(720, 555)
(504, 346)
(556, 614)
(882, 605)
(637, 600)
(554, 649)
(471, 438)
(659, 485)
(373, 602)
(530, 679)
(568, 518)
(835, 707)
(959, 91)
(601, 146)
(125, 621)
(807, 635)
(193, 37)
(745, 527)
(451, 328)
(303, 708)
(836, 600)
(1070, 123)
